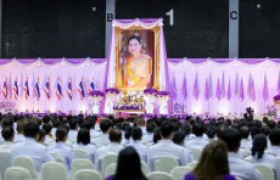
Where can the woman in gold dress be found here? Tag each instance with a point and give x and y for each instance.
(138, 67)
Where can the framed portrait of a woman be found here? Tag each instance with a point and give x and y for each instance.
(137, 58)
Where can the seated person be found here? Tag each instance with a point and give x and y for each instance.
(213, 163)
(8, 135)
(165, 147)
(198, 141)
(274, 137)
(103, 140)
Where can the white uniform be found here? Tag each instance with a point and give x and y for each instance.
(65, 151)
(141, 149)
(274, 150)
(198, 142)
(268, 160)
(111, 148)
(72, 135)
(167, 148)
(102, 140)
(89, 148)
(241, 168)
(6, 146)
(19, 138)
(29, 147)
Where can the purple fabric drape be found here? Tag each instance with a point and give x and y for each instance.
(173, 88)
(223, 88)
(218, 90)
(210, 86)
(196, 88)
(265, 89)
(236, 89)
(207, 90)
(184, 90)
(241, 90)
(229, 90)
(251, 88)
(224, 60)
(278, 84)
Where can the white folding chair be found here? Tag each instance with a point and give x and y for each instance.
(107, 160)
(87, 174)
(5, 162)
(80, 163)
(17, 173)
(81, 154)
(266, 171)
(110, 170)
(196, 152)
(58, 158)
(53, 171)
(27, 163)
(158, 175)
(165, 164)
(180, 172)
(145, 169)
(192, 165)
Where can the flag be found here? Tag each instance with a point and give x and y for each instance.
(91, 86)
(69, 89)
(58, 89)
(229, 90)
(196, 88)
(207, 90)
(37, 89)
(5, 88)
(185, 92)
(251, 88)
(265, 89)
(26, 88)
(47, 88)
(15, 89)
(81, 88)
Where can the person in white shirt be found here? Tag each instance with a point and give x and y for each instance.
(113, 147)
(8, 135)
(103, 140)
(93, 132)
(274, 138)
(238, 167)
(179, 138)
(259, 156)
(187, 128)
(83, 143)
(246, 143)
(73, 125)
(49, 139)
(29, 147)
(141, 123)
(165, 147)
(198, 141)
(19, 137)
(142, 149)
(61, 148)
(148, 138)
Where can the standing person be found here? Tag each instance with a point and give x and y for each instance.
(213, 164)
(128, 157)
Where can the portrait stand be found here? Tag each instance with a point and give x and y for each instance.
(150, 31)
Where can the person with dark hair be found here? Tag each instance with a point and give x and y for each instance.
(128, 157)
(49, 137)
(213, 163)
(246, 143)
(142, 149)
(198, 141)
(166, 147)
(157, 136)
(8, 135)
(179, 138)
(274, 138)
(42, 137)
(249, 115)
(150, 127)
(46, 119)
(103, 140)
(83, 143)
(93, 132)
(211, 133)
(187, 129)
(73, 125)
(114, 147)
(141, 123)
(29, 147)
(238, 166)
(61, 148)
(19, 136)
(260, 156)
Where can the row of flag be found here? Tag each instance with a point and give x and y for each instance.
(221, 91)
(26, 90)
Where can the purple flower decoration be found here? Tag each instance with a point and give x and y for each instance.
(276, 98)
(96, 93)
(112, 90)
(150, 91)
(163, 93)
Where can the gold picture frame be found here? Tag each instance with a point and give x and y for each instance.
(119, 68)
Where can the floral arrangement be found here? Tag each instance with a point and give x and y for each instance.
(128, 107)
(163, 93)
(150, 91)
(96, 93)
(112, 91)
